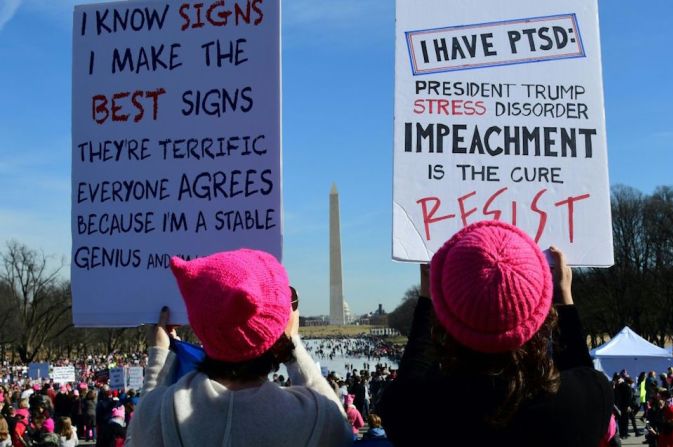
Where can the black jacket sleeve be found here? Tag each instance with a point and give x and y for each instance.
(570, 349)
(419, 355)
(401, 402)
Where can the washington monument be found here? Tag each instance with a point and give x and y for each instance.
(336, 296)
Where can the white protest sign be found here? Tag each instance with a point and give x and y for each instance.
(499, 115)
(63, 374)
(117, 378)
(175, 147)
(135, 377)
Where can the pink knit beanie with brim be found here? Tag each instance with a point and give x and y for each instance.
(238, 302)
(491, 287)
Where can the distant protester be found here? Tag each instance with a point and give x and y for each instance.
(354, 416)
(67, 433)
(375, 431)
(239, 306)
(5, 438)
(112, 433)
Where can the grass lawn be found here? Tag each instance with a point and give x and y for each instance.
(347, 331)
(329, 331)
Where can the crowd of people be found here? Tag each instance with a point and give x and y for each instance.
(369, 348)
(651, 394)
(45, 414)
(496, 355)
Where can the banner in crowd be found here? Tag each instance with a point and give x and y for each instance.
(102, 376)
(135, 377)
(499, 115)
(175, 147)
(63, 374)
(117, 378)
(38, 370)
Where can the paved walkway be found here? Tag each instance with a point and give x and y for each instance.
(632, 440)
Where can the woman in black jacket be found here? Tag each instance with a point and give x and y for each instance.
(483, 368)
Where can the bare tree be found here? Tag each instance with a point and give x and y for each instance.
(37, 300)
(403, 315)
(638, 290)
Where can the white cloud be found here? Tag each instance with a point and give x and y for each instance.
(7, 10)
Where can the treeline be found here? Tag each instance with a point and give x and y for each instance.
(637, 291)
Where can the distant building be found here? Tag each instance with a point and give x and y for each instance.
(384, 332)
(321, 320)
(349, 318)
(379, 317)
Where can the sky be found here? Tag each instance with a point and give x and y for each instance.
(338, 85)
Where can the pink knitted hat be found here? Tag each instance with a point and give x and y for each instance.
(238, 302)
(491, 286)
(49, 425)
(118, 412)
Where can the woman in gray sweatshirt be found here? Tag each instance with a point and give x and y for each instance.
(239, 306)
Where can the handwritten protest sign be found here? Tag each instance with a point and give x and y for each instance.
(117, 378)
(499, 115)
(175, 147)
(135, 377)
(63, 374)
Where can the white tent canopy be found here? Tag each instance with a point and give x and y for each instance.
(628, 350)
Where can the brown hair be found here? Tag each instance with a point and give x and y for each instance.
(38, 420)
(374, 420)
(252, 369)
(524, 372)
(66, 427)
(4, 429)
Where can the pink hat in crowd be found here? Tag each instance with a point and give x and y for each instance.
(75, 393)
(36, 387)
(118, 412)
(48, 425)
(238, 302)
(83, 386)
(491, 287)
(22, 412)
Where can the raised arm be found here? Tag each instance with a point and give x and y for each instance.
(302, 369)
(571, 349)
(419, 356)
(160, 360)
